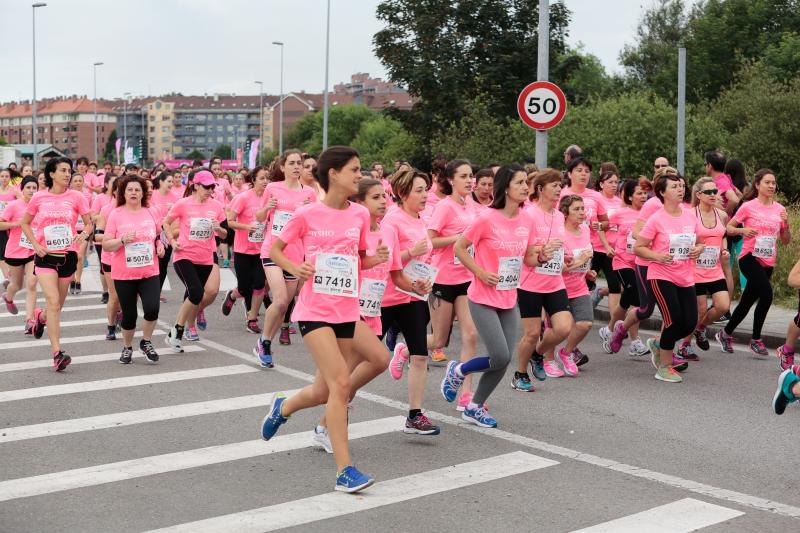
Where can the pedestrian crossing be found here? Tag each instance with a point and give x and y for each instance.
(223, 394)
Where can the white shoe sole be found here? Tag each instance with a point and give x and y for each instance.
(476, 422)
(351, 490)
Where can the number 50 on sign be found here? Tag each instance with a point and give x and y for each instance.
(541, 105)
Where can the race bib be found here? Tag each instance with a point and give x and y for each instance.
(764, 247)
(279, 220)
(257, 234)
(200, 229)
(417, 270)
(508, 271)
(554, 266)
(139, 254)
(709, 258)
(57, 237)
(680, 244)
(577, 252)
(336, 274)
(470, 251)
(370, 297)
(629, 243)
(24, 242)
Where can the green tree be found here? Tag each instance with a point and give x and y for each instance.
(383, 139)
(224, 151)
(583, 76)
(110, 152)
(195, 154)
(3, 141)
(782, 60)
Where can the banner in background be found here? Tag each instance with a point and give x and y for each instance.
(239, 155)
(118, 144)
(253, 155)
(227, 164)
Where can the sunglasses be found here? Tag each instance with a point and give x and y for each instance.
(710, 192)
(207, 187)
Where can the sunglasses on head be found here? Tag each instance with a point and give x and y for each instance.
(710, 192)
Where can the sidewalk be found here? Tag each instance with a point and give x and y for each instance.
(773, 333)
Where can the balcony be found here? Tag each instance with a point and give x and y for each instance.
(182, 121)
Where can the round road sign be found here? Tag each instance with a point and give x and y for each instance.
(541, 105)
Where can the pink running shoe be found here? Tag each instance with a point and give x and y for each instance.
(10, 305)
(786, 358)
(464, 400)
(618, 337)
(552, 370)
(569, 366)
(398, 361)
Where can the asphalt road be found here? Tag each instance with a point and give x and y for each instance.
(107, 447)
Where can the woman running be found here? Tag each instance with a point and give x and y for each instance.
(785, 352)
(78, 183)
(54, 242)
(199, 218)
(603, 240)
(101, 200)
(131, 235)
(8, 193)
(19, 253)
(669, 241)
(763, 221)
(481, 197)
(250, 276)
(493, 248)
(333, 237)
(161, 201)
(308, 176)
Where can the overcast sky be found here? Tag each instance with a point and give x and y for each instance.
(206, 46)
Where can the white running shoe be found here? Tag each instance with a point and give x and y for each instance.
(321, 439)
(171, 339)
(638, 348)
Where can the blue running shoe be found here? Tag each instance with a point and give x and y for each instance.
(190, 334)
(263, 351)
(784, 395)
(391, 338)
(537, 368)
(202, 323)
(451, 382)
(350, 480)
(479, 417)
(274, 419)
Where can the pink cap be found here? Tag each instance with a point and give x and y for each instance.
(204, 178)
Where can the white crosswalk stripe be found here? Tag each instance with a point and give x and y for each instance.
(65, 340)
(73, 309)
(77, 360)
(67, 324)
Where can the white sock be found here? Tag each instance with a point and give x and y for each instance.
(458, 370)
(472, 406)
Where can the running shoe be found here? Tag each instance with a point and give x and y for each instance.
(284, 337)
(552, 370)
(228, 303)
(321, 439)
(786, 357)
(171, 339)
(724, 318)
(104, 298)
(420, 425)
(569, 366)
(638, 348)
(292, 328)
(668, 374)
(701, 338)
(479, 416)
(758, 348)
(146, 347)
(398, 361)
(579, 357)
(191, 334)
(29, 327)
(725, 341)
(463, 400)
(72, 287)
(111, 334)
(85, 262)
(127, 355)
(520, 382)
(679, 363)
(252, 326)
(451, 382)
(274, 418)
(438, 357)
(605, 333)
(77, 287)
(617, 338)
(350, 480)
(784, 395)
(687, 353)
(38, 324)
(391, 337)
(61, 360)
(202, 324)
(226, 264)
(263, 351)
(596, 297)
(537, 367)
(655, 355)
(10, 305)
(118, 324)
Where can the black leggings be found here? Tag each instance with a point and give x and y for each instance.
(249, 275)
(647, 302)
(128, 289)
(758, 288)
(630, 294)
(194, 277)
(678, 306)
(412, 320)
(163, 265)
(601, 262)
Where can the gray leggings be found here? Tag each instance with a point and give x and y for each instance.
(498, 329)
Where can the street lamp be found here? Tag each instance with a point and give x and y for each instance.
(126, 96)
(261, 127)
(33, 106)
(94, 69)
(280, 127)
(325, 97)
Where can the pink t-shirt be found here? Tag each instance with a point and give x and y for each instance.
(593, 206)
(176, 192)
(650, 207)
(766, 219)
(79, 226)
(449, 218)
(136, 259)
(58, 216)
(431, 202)
(244, 207)
(624, 219)
(289, 200)
(500, 244)
(196, 238)
(331, 294)
(14, 248)
(378, 273)
(161, 204)
(100, 201)
(574, 246)
(546, 227)
(105, 213)
(7, 197)
(708, 267)
(221, 191)
(93, 180)
(611, 205)
(675, 235)
(723, 183)
(409, 230)
(476, 204)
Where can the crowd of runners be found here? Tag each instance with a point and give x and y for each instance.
(354, 259)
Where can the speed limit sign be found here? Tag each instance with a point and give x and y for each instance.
(541, 105)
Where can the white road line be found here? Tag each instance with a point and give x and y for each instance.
(118, 383)
(740, 498)
(77, 360)
(70, 297)
(172, 462)
(129, 418)
(676, 517)
(64, 310)
(64, 340)
(68, 324)
(333, 504)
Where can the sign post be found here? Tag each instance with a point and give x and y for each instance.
(543, 73)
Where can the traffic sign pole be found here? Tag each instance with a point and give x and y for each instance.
(542, 74)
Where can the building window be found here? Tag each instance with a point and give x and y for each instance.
(152, 118)
(200, 128)
(152, 129)
(164, 139)
(219, 129)
(241, 117)
(164, 117)
(230, 129)
(152, 140)
(228, 117)
(164, 129)
(220, 139)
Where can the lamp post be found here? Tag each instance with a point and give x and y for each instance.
(125, 119)
(94, 102)
(325, 97)
(280, 126)
(33, 105)
(261, 124)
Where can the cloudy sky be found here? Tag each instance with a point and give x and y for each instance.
(207, 46)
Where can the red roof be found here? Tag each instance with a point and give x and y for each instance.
(73, 104)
